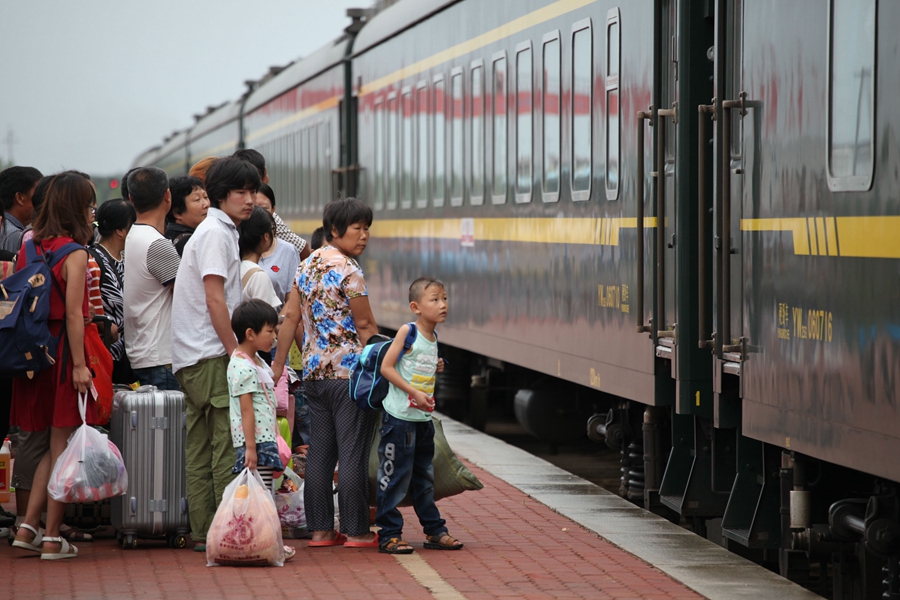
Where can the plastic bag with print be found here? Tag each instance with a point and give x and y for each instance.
(246, 530)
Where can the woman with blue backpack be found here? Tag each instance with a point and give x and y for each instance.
(337, 322)
(49, 399)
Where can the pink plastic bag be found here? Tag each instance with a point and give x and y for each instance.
(246, 530)
(282, 395)
(90, 469)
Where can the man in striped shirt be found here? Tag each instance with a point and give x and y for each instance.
(151, 264)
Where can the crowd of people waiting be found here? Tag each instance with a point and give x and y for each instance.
(167, 266)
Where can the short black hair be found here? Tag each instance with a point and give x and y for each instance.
(147, 187)
(40, 192)
(344, 212)
(254, 157)
(181, 187)
(318, 239)
(253, 229)
(268, 192)
(114, 215)
(123, 184)
(418, 287)
(16, 180)
(228, 174)
(253, 315)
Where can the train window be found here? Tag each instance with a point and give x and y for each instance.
(476, 134)
(438, 141)
(407, 149)
(550, 106)
(612, 104)
(456, 136)
(392, 152)
(304, 170)
(524, 99)
(324, 163)
(498, 129)
(296, 167)
(422, 145)
(314, 199)
(379, 154)
(851, 126)
(582, 121)
(290, 161)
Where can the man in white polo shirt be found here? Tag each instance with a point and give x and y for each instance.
(151, 264)
(207, 291)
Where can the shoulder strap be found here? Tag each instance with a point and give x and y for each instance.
(60, 253)
(410, 339)
(249, 274)
(97, 253)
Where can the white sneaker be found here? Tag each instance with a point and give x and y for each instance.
(4, 532)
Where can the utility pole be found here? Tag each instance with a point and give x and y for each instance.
(10, 142)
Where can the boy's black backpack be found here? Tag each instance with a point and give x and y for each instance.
(26, 346)
(367, 386)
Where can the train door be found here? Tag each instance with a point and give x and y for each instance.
(734, 111)
(666, 201)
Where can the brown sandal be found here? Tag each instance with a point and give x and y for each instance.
(396, 546)
(442, 541)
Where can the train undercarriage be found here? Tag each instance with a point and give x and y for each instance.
(831, 529)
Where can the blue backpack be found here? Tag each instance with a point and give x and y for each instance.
(367, 387)
(26, 345)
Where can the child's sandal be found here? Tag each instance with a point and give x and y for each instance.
(442, 541)
(396, 546)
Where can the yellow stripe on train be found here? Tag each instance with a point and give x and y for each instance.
(585, 231)
(857, 237)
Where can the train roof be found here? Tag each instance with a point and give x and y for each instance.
(218, 117)
(145, 158)
(395, 19)
(178, 140)
(300, 71)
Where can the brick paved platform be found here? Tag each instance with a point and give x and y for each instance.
(534, 531)
(515, 548)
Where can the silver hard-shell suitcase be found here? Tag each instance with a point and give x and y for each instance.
(149, 427)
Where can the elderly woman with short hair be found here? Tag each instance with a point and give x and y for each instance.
(332, 299)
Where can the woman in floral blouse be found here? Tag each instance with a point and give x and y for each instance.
(336, 323)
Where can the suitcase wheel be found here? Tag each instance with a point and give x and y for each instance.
(129, 542)
(177, 541)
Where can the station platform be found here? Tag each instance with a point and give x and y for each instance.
(534, 531)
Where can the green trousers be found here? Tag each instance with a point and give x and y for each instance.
(209, 452)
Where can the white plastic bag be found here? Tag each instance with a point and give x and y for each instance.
(90, 469)
(246, 530)
(290, 507)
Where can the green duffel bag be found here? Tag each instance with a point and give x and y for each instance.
(451, 477)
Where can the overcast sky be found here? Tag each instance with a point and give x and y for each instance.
(91, 84)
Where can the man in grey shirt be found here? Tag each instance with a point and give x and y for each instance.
(16, 189)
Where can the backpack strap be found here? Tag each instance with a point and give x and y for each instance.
(248, 275)
(410, 339)
(51, 259)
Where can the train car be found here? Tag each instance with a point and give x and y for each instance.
(146, 158)
(216, 134)
(294, 120)
(173, 157)
(497, 157)
(808, 314)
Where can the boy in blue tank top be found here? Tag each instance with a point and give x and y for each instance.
(407, 432)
